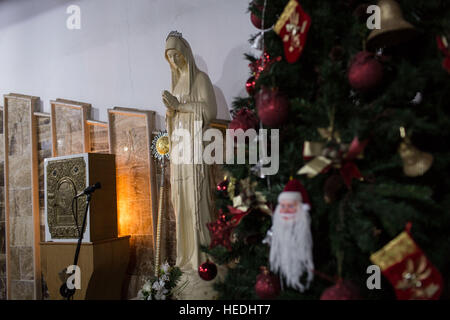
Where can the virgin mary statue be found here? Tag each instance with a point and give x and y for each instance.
(191, 105)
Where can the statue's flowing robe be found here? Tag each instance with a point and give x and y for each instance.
(191, 190)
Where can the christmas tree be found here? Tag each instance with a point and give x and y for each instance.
(363, 122)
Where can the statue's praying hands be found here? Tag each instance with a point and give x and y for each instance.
(171, 103)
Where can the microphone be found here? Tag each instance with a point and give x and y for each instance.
(89, 190)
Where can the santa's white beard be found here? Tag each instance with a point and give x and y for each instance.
(291, 248)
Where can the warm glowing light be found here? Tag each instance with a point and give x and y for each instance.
(134, 212)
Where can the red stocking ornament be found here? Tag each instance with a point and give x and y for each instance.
(408, 269)
(293, 27)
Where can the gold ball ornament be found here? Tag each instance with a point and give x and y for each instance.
(161, 146)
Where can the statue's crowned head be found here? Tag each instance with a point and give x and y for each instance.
(179, 55)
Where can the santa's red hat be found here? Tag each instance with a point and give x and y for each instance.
(294, 190)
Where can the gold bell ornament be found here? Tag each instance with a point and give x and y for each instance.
(415, 162)
(394, 28)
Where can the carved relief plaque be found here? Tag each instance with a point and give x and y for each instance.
(67, 176)
(65, 179)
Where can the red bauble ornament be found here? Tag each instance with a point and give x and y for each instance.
(365, 72)
(244, 119)
(272, 107)
(250, 86)
(267, 285)
(442, 43)
(257, 21)
(446, 64)
(207, 270)
(342, 290)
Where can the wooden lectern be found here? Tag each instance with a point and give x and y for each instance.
(102, 266)
(103, 256)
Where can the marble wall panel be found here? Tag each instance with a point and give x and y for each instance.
(21, 290)
(2, 276)
(2, 216)
(69, 129)
(44, 149)
(129, 138)
(44, 146)
(22, 211)
(98, 138)
(2, 240)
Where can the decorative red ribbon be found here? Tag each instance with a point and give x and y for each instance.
(349, 170)
(237, 215)
(222, 228)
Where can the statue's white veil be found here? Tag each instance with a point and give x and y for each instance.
(175, 41)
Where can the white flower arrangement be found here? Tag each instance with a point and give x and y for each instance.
(162, 287)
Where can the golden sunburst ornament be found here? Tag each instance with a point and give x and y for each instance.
(160, 150)
(160, 146)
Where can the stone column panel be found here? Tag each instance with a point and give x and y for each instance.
(2, 216)
(98, 137)
(130, 139)
(70, 134)
(23, 278)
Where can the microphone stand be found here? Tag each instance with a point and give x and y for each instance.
(64, 290)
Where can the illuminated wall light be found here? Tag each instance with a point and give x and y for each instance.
(129, 137)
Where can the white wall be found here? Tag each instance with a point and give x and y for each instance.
(117, 58)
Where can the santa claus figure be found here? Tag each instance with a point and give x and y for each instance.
(291, 239)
